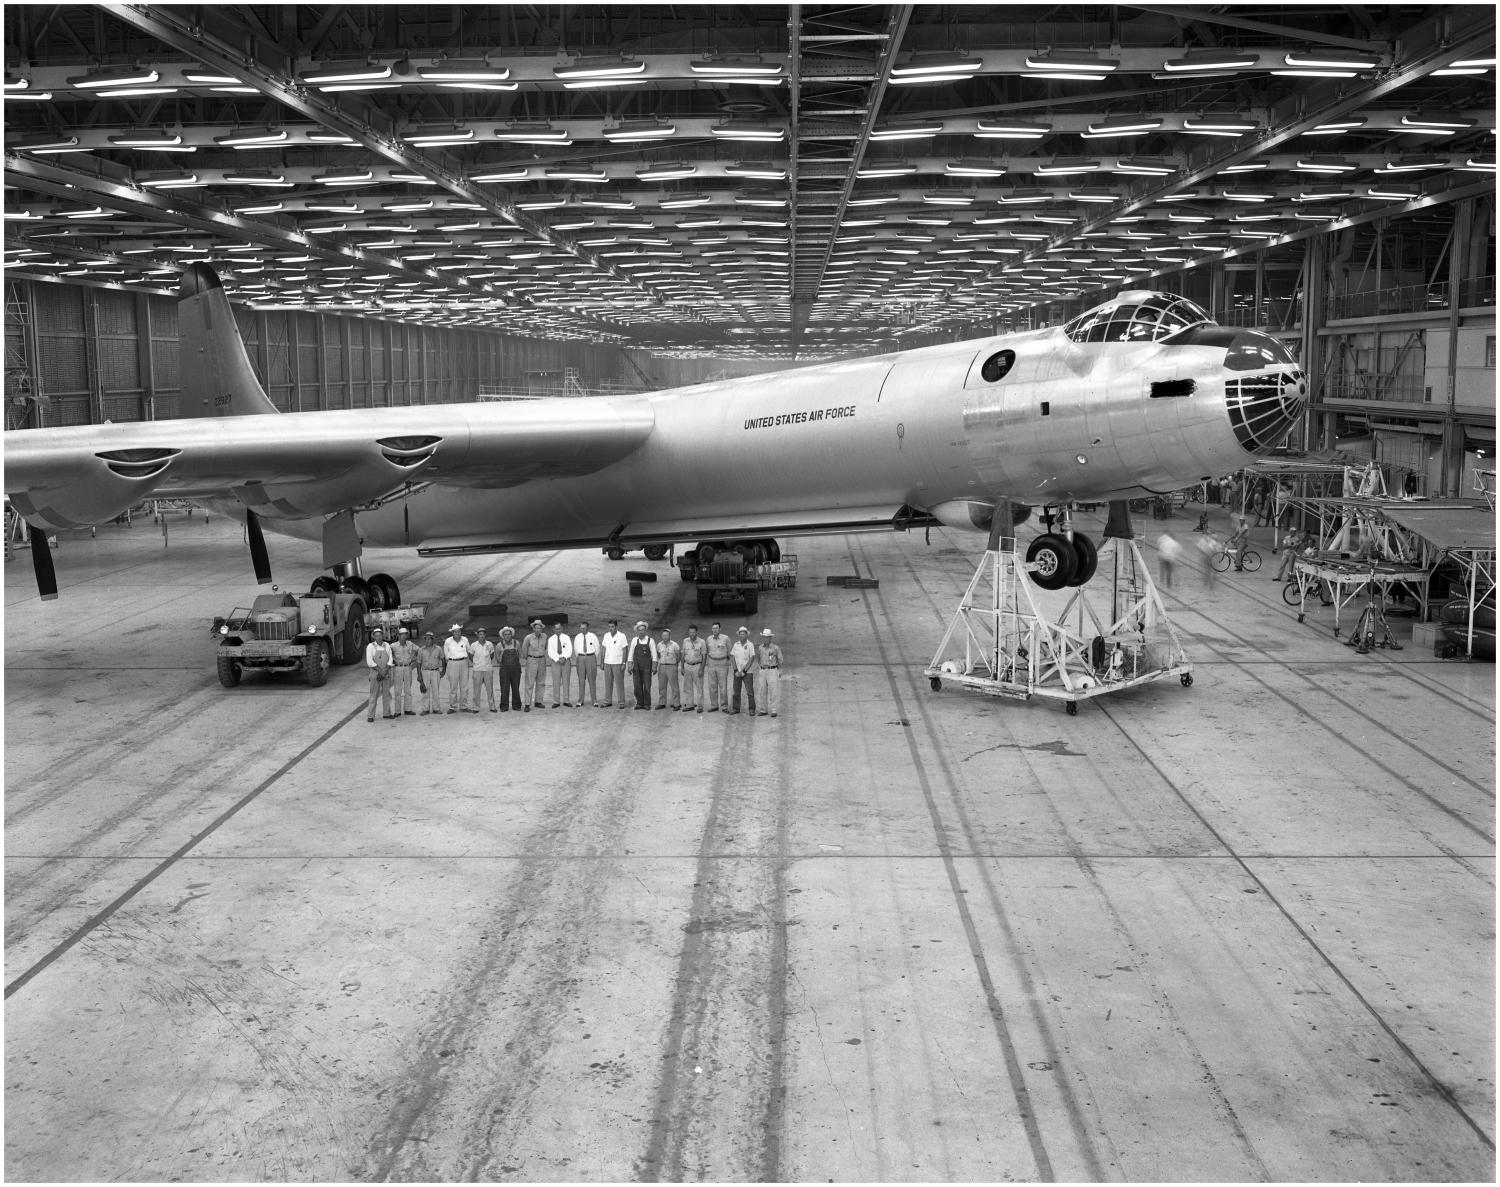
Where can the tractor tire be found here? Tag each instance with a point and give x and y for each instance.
(1055, 558)
(390, 591)
(1088, 559)
(707, 552)
(229, 671)
(315, 665)
(705, 601)
(323, 585)
(354, 635)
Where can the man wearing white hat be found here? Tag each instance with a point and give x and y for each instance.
(378, 661)
(742, 660)
(533, 656)
(430, 667)
(456, 667)
(641, 661)
(767, 674)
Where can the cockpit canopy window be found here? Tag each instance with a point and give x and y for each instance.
(997, 366)
(1136, 317)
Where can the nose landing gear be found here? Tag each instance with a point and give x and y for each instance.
(1065, 558)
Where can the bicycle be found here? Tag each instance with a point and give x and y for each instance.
(1291, 591)
(1249, 560)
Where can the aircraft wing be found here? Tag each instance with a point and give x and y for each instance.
(313, 463)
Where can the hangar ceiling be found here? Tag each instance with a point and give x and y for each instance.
(757, 181)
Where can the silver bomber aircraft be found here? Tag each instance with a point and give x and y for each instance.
(1141, 394)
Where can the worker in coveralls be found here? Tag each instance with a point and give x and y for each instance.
(404, 665)
(641, 661)
(717, 669)
(508, 669)
(378, 660)
(694, 655)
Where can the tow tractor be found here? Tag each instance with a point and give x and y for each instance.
(282, 632)
(737, 573)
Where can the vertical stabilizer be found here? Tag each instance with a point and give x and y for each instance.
(215, 372)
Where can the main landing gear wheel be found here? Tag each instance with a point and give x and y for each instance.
(1055, 560)
(357, 585)
(615, 554)
(1088, 559)
(654, 552)
(385, 594)
(323, 585)
(1072, 708)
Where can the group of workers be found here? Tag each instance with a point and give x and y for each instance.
(697, 674)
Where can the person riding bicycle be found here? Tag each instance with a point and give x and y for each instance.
(1238, 542)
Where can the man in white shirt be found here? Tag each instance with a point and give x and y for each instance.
(560, 665)
(642, 661)
(614, 646)
(533, 656)
(378, 660)
(586, 660)
(482, 662)
(456, 654)
(742, 658)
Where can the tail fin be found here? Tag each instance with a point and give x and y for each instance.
(216, 376)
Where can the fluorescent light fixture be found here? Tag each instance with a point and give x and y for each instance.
(753, 199)
(267, 208)
(168, 181)
(1122, 126)
(587, 68)
(406, 207)
(629, 131)
(1390, 193)
(885, 169)
(252, 138)
(1010, 130)
(1062, 166)
(906, 131)
(1325, 165)
(576, 173)
(1323, 193)
(1322, 59)
(464, 70)
(256, 177)
(1097, 195)
(1244, 195)
(531, 132)
(1440, 125)
(973, 168)
(1254, 166)
(925, 67)
(452, 135)
(1478, 164)
(137, 76)
(1025, 194)
(602, 203)
(1217, 126)
(361, 177)
(880, 198)
(165, 141)
(1210, 59)
(1144, 166)
(203, 78)
(347, 72)
(735, 67)
(948, 198)
(1076, 64)
(1412, 164)
(1334, 127)
(48, 144)
(35, 96)
(759, 172)
(322, 137)
(744, 130)
(513, 173)
(1189, 216)
(667, 171)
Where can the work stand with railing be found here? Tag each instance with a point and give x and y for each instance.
(1005, 640)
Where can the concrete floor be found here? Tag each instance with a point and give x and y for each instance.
(1242, 931)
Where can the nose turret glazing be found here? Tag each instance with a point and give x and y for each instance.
(1265, 390)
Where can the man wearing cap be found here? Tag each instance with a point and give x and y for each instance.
(742, 657)
(482, 664)
(586, 660)
(430, 666)
(767, 674)
(508, 668)
(641, 660)
(403, 664)
(614, 645)
(717, 668)
(533, 656)
(694, 653)
(378, 660)
(456, 667)
(560, 665)
(668, 671)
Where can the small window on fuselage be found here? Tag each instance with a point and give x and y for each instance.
(997, 366)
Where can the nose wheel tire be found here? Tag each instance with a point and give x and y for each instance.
(1088, 559)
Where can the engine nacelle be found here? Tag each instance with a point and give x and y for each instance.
(95, 488)
(975, 515)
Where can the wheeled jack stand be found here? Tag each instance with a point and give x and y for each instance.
(1007, 640)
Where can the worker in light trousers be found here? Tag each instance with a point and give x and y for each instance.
(560, 666)
(668, 672)
(429, 673)
(403, 667)
(533, 656)
(767, 675)
(586, 663)
(694, 655)
(717, 669)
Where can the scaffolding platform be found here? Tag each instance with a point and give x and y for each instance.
(1004, 642)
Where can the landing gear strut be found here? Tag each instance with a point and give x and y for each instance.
(1062, 558)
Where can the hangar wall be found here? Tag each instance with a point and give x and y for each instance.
(99, 354)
